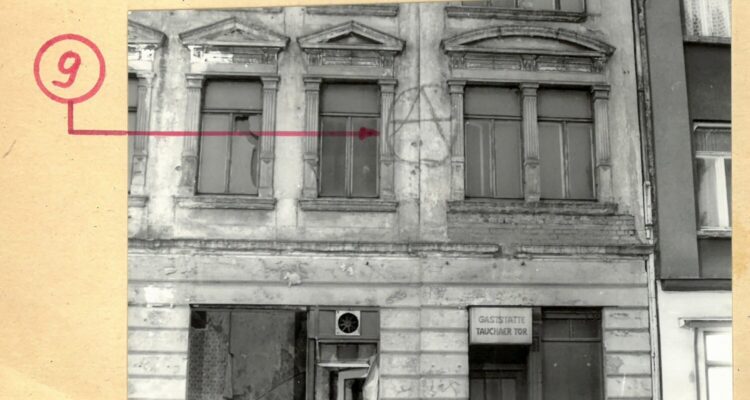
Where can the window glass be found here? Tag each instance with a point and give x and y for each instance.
(713, 173)
(492, 101)
(708, 18)
(132, 92)
(235, 95)
(719, 383)
(131, 143)
(555, 103)
(333, 160)
(478, 151)
(214, 155)
(244, 158)
(580, 161)
(350, 98)
(728, 173)
(718, 347)
(508, 164)
(572, 5)
(365, 159)
(551, 160)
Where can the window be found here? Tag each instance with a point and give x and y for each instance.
(349, 161)
(715, 362)
(713, 164)
(572, 353)
(132, 122)
(566, 154)
(708, 18)
(492, 136)
(553, 5)
(229, 163)
(494, 144)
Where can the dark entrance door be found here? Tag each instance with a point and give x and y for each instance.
(498, 372)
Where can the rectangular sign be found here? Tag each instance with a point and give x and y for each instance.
(500, 325)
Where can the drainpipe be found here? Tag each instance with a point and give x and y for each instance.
(648, 178)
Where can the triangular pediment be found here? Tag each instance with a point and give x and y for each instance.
(533, 40)
(231, 32)
(142, 34)
(351, 36)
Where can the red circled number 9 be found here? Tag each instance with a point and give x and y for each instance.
(71, 71)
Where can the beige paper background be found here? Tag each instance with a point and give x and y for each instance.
(63, 272)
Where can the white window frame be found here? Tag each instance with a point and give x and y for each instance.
(702, 359)
(722, 200)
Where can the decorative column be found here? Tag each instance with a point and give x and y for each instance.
(265, 180)
(140, 142)
(312, 100)
(456, 89)
(531, 173)
(387, 159)
(190, 144)
(600, 97)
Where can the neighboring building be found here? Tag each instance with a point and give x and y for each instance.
(691, 105)
(488, 242)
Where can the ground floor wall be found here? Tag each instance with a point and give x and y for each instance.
(423, 302)
(681, 315)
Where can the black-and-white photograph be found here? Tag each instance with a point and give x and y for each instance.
(478, 200)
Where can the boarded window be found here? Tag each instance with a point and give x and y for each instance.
(349, 161)
(572, 354)
(132, 122)
(493, 142)
(229, 151)
(566, 144)
(713, 169)
(247, 354)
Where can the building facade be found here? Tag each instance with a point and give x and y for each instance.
(437, 201)
(690, 74)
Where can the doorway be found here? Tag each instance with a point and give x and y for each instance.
(498, 372)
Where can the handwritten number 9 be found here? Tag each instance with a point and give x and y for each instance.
(71, 71)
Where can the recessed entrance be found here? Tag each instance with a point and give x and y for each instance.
(498, 372)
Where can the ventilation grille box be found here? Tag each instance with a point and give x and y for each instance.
(345, 324)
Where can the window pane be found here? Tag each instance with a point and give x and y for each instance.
(572, 5)
(131, 144)
(477, 149)
(537, 4)
(707, 139)
(212, 172)
(580, 162)
(493, 101)
(243, 173)
(720, 383)
(719, 347)
(550, 160)
(508, 147)
(350, 98)
(503, 3)
(572, 370)
(585, 328)
(365, 159)
(556, 329)
(132, 92)
(554, 103)
(235, 95)
(708, 17)
(332, 157)
(707, 185)
(728, 172)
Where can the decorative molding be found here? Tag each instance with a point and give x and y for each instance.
(189, 167)
(287, 247)
(570, 52)
(348, 205)
(225, 202)
(489, 12)
(456, 89)
(715, 233)
(312, 122)
(636, 250)
(540, 207)
(718, 40)
(350, 48)
(707, 322)
(232, 45)
(375, 10)
(139, 34)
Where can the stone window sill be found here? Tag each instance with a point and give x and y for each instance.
(137, 201)
(514, 14)
(349, 205)
(225, 202)
(715, 233)
(376, 10)
(707, 39)
(556, 207)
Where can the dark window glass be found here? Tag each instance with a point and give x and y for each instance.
(559, 5)
(566, 144)
(349, 161)
(229, 163)
(493, 144)
(572, 354)
(132, 122)
(713, 173)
